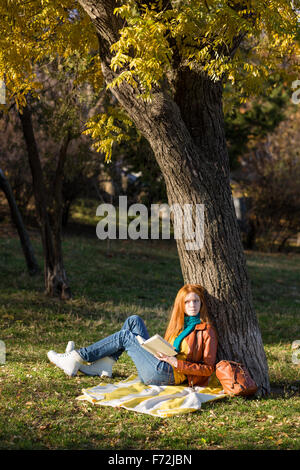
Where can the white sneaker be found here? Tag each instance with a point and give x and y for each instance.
(68, 362)
(102, 367)
(70, 346)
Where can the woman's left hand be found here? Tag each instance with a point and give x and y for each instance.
(169, 359)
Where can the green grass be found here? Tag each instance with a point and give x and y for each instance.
(38, 406)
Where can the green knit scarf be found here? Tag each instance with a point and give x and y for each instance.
(189, 325)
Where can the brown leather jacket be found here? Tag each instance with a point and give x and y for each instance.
(201, 358)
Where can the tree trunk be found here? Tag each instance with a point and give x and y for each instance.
(28, 251)
(196, 171)
(56, 282)
(186, 133)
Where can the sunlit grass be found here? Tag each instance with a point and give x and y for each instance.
(38, 407)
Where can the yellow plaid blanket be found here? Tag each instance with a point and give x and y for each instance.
(163, 401)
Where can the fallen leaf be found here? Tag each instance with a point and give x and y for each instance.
(44, 426)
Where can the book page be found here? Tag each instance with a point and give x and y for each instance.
(157, 344)
(149, 349)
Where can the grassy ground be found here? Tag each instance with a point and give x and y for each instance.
(38, 407)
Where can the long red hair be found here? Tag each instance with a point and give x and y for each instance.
(176, 323)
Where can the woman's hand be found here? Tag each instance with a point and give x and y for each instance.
(169, 359)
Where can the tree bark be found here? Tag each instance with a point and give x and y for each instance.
(56, 282)
(27, 248)
(186, 133)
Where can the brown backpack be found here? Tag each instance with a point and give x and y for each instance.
(235, 379)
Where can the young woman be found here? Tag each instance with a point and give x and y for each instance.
(188, 330)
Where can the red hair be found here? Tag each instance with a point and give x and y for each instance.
(176, 323)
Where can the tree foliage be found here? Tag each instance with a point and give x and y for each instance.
(33, 31)
(203, 34)
(62, 106)
(239, 42)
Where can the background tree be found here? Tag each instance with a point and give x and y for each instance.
(50, 126)
(270, 177)
(166, 63)
(136, 162)
(245, 124)
(27, 248)
(56, 282)
(253, 119)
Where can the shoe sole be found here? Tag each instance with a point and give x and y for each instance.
(101, 373)
(95, 375)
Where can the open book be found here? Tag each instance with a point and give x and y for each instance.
(157, 344)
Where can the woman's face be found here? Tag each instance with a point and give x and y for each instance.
(192, 304)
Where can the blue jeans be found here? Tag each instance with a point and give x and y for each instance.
(150, 370)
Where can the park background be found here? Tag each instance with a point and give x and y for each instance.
(109, 280)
